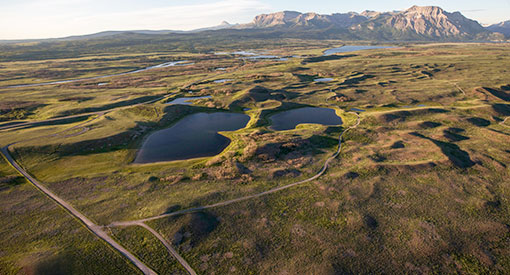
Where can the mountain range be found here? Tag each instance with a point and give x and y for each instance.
(417, 23)
(503, 27)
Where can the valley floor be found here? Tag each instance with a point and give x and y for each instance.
(417, 184)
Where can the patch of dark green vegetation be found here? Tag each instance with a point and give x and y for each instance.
(326, 58)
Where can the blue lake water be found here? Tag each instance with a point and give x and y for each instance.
(186, 100)
(346, 49)
(288, 120)
(194, 136)
(323, 79)
(219, 81)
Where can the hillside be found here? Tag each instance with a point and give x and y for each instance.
(503, 27)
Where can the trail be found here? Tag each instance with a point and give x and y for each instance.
(504, 122)
(460, 89)
(232, 201)
(170, 249)
(94, 228)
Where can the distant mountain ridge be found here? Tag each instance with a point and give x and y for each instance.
(503, 28)
(415, 23)
(429, 23)
(293, 19)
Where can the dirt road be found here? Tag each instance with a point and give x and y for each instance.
(170, 249)
(94, 228)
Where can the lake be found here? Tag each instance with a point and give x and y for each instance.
(219, 81)
(346, 49)
(323, 79)
(194, 136)
(288, 120)
(186, 100)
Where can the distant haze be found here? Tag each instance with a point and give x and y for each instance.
(24, 19)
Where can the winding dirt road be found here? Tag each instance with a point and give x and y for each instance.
(170, 249)
(228, 202)
(94, 228)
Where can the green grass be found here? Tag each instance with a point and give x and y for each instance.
(415, 189)
(149, 249)
(38, 237)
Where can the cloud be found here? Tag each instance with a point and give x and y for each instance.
(478, 10)
(48, 22)
(185, 17)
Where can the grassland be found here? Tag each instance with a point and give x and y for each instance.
(421, 185)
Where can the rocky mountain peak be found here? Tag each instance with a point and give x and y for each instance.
(415, 23)
(274, 19)
(434, 21)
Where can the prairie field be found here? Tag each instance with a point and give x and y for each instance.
(420, 184)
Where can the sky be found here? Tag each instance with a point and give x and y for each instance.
(30, 19)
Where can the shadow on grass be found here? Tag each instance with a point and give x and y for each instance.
(499, 94)
(357, 80)
(429, 124)
(457, 156)
(452, 134)
(502, 109)
(197, 227)
(480, 122)
(56, 265)
(10, 181)
(327, 58)
(400, 116)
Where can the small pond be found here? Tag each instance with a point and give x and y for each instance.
(194, 136)
(288, 120)
(346, 49)
(323, 79)
(219, 81)
(186, 100)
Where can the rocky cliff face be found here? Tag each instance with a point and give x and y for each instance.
(416, 23)
(296, 19)
(434, 22)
